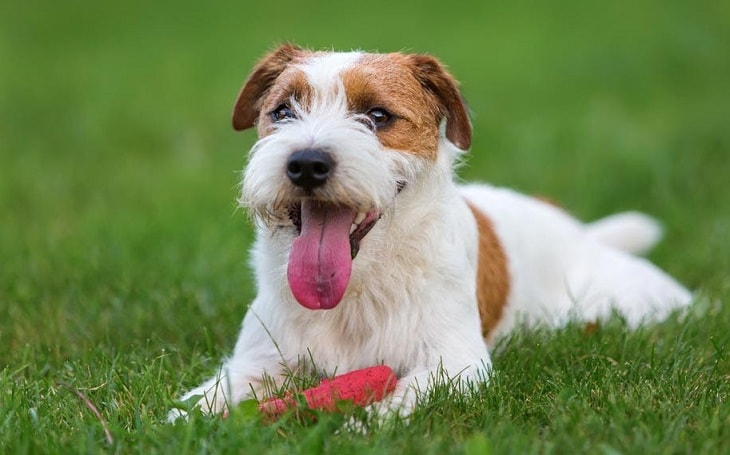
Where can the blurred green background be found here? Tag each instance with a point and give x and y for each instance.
(119, 168)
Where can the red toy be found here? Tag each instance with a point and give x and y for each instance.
(361, 387)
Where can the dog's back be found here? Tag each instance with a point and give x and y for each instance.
(561, 269)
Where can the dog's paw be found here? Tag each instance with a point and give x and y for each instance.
(205, 399)
(377, 417)
(174, 414)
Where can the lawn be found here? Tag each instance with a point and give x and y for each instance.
(123, 273)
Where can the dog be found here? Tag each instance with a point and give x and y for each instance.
(368, 252)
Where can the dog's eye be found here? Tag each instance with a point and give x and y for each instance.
(379, 116)
(281, 113)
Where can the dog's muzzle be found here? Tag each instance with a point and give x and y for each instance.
(328, 232)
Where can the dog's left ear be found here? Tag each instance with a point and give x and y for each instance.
(248, 105)
(434, 78)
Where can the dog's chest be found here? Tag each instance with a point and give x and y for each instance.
(356, 337)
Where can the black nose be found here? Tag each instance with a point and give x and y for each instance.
(309, 168)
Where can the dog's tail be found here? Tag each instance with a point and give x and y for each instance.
(632, 232)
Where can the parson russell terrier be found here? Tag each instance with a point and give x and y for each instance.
(369, 253)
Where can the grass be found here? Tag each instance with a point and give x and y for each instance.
(123, 273)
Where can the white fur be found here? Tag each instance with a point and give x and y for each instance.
(323, 72)
(561, 269)
(411, 300)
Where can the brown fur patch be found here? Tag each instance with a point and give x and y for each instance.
(387, 82)
(492, 274)
(418, 91)
(547, 200)
(436, 80)
(248, 104)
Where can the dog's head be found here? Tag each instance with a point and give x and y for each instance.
(340, 135)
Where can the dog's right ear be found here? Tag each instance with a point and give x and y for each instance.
(248, 103)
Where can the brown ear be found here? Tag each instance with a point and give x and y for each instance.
(434, 78)
(248, 103)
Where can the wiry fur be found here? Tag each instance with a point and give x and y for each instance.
(411, 299)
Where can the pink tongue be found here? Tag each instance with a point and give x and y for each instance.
(320, 261)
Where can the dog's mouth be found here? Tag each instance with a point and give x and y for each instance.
(361, 223)
(320, 261)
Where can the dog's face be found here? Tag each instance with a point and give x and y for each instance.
(340, 135)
